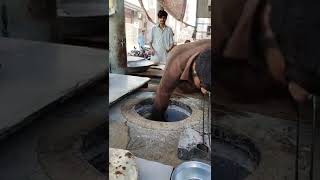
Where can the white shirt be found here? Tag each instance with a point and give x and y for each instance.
(161, 41)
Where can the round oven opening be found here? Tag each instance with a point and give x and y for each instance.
(233, 156)
(176, 110)
(94, 146)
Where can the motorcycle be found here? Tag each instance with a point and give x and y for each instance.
(143, 52)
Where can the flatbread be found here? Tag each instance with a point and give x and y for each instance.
(122, 165)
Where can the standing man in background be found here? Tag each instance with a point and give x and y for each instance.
(141, 41)
(161, 39)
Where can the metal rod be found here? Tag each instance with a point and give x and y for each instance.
(296, 107)
(209, 116)
(313, 134)
(203, 110)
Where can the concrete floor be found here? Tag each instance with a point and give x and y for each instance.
(274, 136)
(271, 125)
(275, 140)
(49, 147)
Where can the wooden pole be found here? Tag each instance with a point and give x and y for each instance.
(117, 40)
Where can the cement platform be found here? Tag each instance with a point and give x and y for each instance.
(36, 74)
(121, 85)
(48, 148)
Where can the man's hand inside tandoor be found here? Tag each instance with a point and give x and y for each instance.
(298, 93)
(156, 115)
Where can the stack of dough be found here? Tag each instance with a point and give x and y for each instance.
(122, 165)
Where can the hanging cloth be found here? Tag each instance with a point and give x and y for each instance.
(175, 8)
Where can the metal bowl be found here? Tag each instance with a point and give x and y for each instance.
(138, 64)
(192, 170)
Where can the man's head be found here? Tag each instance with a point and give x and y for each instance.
(203, 69)
(162, 15)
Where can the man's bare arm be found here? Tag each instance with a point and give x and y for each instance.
(168, 83)
(274, 57)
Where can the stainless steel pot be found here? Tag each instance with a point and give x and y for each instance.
(192, 170)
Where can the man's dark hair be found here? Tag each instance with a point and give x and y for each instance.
(162, 13)
(203, 68)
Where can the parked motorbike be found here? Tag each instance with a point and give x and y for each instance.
(144, 52)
